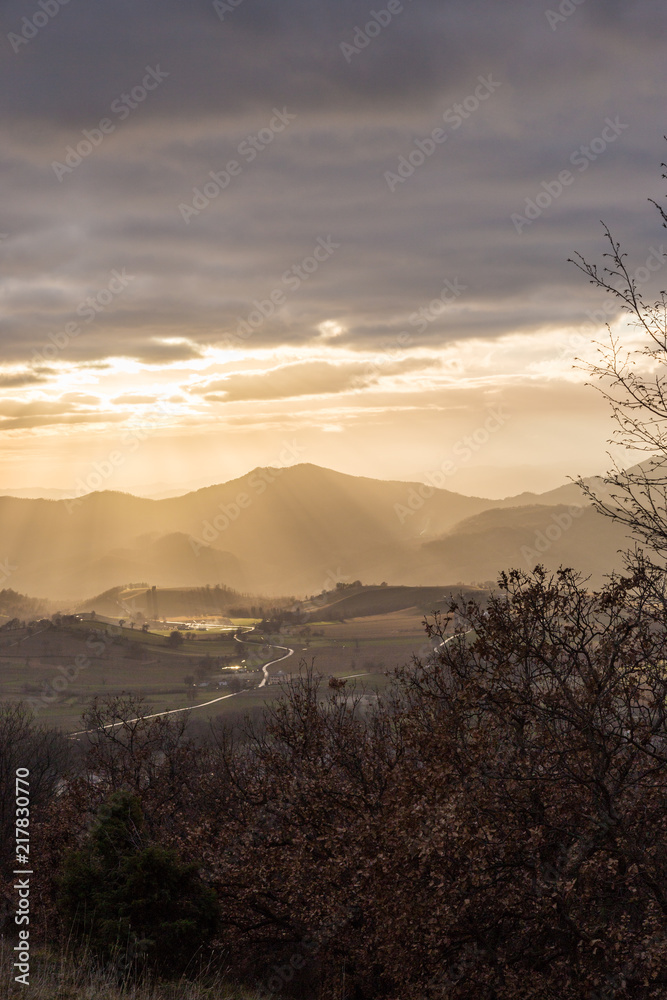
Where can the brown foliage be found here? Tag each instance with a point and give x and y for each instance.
(496, 830)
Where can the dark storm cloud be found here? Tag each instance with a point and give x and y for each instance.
(87, 54)
(265, 48)
(197, 279)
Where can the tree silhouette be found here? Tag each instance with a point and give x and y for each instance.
(633, 380)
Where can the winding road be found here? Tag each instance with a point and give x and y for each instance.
(265, 668)
(193, 708)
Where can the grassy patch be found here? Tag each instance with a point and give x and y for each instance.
(79, 978)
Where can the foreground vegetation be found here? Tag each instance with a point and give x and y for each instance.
(494, 828)
(62, 977)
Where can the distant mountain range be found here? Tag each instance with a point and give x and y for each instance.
(296, 531)
(155, 491)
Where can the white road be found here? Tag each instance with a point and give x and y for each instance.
(205, 704)
(172, 711)
(265, 669)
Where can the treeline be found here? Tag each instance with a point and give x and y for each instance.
(176, 601)
(14, 605)
(495, 828)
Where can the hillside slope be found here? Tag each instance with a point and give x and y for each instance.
(522, 537)
(294, 531)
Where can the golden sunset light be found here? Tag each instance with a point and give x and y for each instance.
(333, 500)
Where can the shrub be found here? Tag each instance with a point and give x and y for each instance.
(132, 899)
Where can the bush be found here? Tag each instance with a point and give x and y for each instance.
(135, 900)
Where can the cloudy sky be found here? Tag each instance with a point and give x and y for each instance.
(254, 232)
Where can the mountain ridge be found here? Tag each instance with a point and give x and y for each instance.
(274, 530)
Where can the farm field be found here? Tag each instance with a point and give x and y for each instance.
(59, 670)
(384, 600)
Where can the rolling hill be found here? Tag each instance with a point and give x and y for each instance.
(293, 531)
(522, 537)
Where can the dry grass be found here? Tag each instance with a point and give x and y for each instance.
(79, 978)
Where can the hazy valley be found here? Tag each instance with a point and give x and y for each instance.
(295, 531)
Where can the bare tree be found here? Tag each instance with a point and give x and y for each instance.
(44, 752)
(633, 379)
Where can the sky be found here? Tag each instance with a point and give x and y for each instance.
(260, 232)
